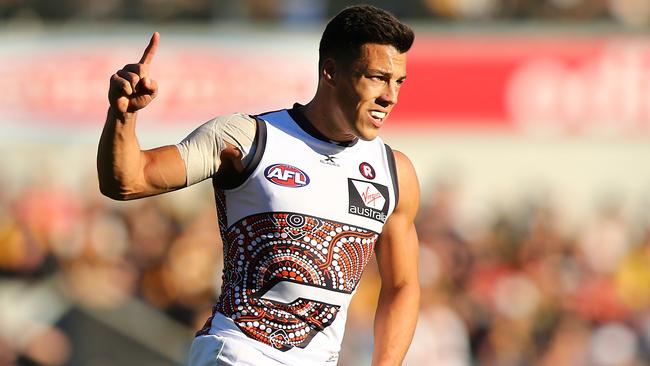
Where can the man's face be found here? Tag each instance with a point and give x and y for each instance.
(366, 92)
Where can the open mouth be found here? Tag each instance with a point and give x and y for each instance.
(378, 117)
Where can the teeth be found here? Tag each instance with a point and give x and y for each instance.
(378, 114)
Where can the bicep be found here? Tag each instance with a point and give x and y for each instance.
(397, 249)
(397, 252)
(163, 169)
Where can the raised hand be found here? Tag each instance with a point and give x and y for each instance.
(131, 88)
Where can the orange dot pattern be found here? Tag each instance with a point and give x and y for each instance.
(265, 249)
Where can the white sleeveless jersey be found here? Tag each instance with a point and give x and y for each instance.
(298, 228)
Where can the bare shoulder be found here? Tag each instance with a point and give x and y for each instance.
(409, 186)
(404, 166)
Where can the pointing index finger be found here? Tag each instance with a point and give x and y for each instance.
(147, 56)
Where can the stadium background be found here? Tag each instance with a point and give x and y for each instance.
(528, 122)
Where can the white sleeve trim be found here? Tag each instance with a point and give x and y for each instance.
(202, 148)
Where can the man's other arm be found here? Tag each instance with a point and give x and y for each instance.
(397, 257)
(124, 170)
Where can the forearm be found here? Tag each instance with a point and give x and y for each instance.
(395, 321)
(119, 158)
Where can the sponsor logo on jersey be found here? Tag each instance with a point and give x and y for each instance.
(329, 160)
(286, 175)
(367, 170)
(368, 199)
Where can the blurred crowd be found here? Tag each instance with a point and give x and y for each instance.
(632, 13)
(518, 287)
(99, 255)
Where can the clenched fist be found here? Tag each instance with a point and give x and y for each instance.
(131, 88)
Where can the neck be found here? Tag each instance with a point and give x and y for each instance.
(324, 119)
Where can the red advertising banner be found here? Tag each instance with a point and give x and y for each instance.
(549, 85)
(566, 85)
(69, 88)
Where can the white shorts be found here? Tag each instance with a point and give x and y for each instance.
(212, 350)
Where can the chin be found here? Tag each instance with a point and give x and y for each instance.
(368, 133)
(364, 128)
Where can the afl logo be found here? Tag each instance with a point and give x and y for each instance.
(286, 175)
(367, 170)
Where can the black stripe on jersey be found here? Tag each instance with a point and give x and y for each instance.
(260, 146)
(393, 171)
(232, 181)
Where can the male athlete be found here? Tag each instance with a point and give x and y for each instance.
(304, 197)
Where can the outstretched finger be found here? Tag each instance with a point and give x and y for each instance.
(147, 56)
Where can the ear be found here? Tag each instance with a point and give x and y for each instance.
(329, 71)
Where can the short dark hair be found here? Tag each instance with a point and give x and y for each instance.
(357, 25)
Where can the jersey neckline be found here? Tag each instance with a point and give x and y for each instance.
(303, 122)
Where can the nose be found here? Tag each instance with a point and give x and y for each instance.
(389, 94)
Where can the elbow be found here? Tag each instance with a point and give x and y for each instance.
(116, 191)
(413, 290)
(407, 289)
(111, 192)
(118, 186)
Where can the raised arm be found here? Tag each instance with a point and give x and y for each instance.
(397, 257)
(124, 170)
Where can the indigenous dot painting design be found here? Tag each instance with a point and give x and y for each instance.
(312, 261)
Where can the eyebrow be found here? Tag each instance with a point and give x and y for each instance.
(377, 71)
(384, 73)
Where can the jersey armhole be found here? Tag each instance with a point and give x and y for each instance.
(259, 144)
(393, 171)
